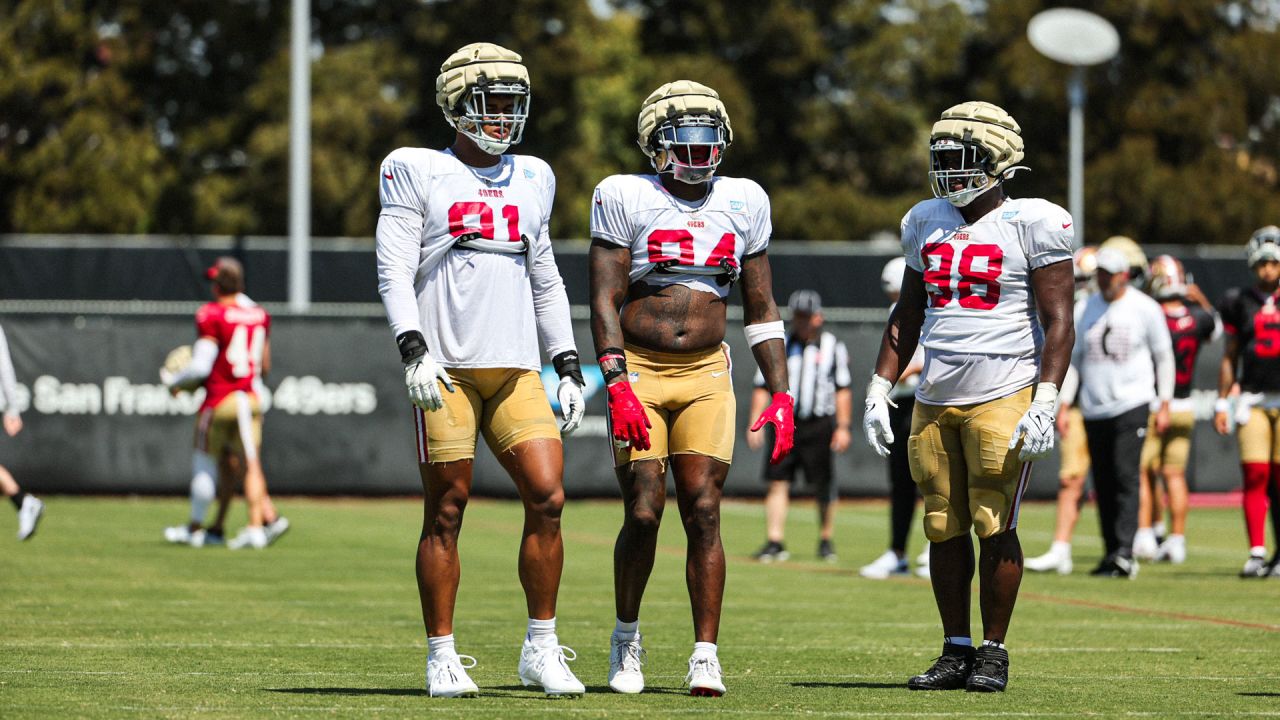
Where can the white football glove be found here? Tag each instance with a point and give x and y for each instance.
(1036, 425)
(875, 418)
(420, 377)
(572, 404)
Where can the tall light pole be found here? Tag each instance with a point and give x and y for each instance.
(300, 158)
(1078, 38)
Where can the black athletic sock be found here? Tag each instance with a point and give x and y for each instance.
(17, 499)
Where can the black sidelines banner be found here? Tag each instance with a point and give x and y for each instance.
(99, 421)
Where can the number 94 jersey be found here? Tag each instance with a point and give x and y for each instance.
(667, 235)
(978, 276)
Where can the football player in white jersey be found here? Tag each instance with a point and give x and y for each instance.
(988, 292)
(470, 285)
(666, 247)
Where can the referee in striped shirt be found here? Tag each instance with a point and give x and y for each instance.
(818, 365)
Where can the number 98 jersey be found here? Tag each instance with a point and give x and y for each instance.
(666, 234)
(978, 276)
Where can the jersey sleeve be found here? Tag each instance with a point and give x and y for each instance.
(609, 214)
(207, 323)
(910, 248)
(840, 367)
(399, 188)
(1049, 240)
(1230, 312)
(761, 221)
(550, 302)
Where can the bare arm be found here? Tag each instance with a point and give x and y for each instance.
(1226, 379)
(758, 307)
(1054, 289)
(609, 265)
(265, 368)
(902, 333)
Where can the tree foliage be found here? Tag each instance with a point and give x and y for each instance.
(159, 117)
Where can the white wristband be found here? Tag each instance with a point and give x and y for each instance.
(1046, 394)
(878, 387)
(761, 332)
(1221, 405)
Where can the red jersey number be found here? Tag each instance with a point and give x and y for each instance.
(979, 289)
(683, 240)
(1266, 331)
(483, 214)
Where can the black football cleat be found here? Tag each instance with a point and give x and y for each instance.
(990, 670)
(949, 672)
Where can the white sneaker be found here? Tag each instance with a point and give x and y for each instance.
(276, 528)
(1144, 545)
(923, 558)
(1255, 566)
(626, 658)
(923, 572)
(178, 534)
(1056, 560)
(882, 567)
(1173, 550)
(547, 667)
(704, 677)
(249, 537)
(447, 676)
(29, 516)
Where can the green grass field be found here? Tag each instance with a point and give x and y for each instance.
(100, 618)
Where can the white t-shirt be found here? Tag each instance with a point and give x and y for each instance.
(1117, 347)
(981, 334)
(637, 212)
(475, 308)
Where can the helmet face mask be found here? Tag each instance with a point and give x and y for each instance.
(483, 108)
(689, 147)
(1264, 245)
(1168, 280)
(483, 90)
(958, 170)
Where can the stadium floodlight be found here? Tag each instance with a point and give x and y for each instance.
(1078, 38)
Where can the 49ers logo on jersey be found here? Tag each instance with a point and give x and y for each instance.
(974, 277)
(683, 247)
(466, 218)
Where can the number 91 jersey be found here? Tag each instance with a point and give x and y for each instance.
(978, 276)
(635, 211)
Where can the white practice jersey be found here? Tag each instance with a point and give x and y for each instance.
(1118, 348)
(476, 308)
(635, 211)
(981, 334)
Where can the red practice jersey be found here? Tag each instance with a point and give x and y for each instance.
(241, 334)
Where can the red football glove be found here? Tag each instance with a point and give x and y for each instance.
(627, 417)
(781, 412)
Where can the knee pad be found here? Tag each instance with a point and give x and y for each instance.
(941, 522)
(990, 511)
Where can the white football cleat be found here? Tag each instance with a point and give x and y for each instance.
(1058, 559)
(548, 668)
(29, 516)
(1145, 546)
(704, 678)
(276, 528)
(1173, 550)
(882, 567)
(626, 660)
(249, 537)
(923, 558)
(178, 535)
(447, 676)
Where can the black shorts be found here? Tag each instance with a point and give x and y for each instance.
(811, 454)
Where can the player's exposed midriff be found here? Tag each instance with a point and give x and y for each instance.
(673, 318)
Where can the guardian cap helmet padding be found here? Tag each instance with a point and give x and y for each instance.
(976, 143)
(467, 81)
(684, 129)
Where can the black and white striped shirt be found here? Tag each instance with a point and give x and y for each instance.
(816, 371)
